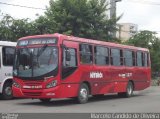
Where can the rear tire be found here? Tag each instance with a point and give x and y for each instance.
(129, 91)
(45, 100)
(83, 94)
(7, 92)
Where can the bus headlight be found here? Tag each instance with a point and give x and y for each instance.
(52, 84)
(15, 84)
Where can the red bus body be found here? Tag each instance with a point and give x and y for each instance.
(101, 79)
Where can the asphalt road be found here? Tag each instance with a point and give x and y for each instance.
(144, 101)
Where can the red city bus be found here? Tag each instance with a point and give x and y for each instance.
(60, 66)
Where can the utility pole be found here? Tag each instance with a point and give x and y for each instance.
(113, 12)
(113, 8)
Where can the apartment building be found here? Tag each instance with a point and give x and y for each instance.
(126, 30)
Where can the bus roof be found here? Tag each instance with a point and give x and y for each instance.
(7, 43)
(84, 40)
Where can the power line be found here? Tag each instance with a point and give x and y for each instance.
(15, 5)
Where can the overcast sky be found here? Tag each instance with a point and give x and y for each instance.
(134, 11)
(141, 12)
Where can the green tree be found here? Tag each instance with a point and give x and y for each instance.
(42, 26)
(143, 39)
(82, 18)
(11, 29)
(155, 55)
(5, 32)
(148, 39)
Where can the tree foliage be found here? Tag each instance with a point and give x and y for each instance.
(143, 39)
(11, 29)
(148, 39)
(81, 18)
(155, 55)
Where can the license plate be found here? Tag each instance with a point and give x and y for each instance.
(33, 87)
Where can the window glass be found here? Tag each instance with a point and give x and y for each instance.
(69, 66)
(8, 56)
(145, 59)
(101, 55)
(115, 57)
(139, 59)
(36, 62)
(134, 58)
(86, 54)
(128, 58)
(121, 58)
(73, 61)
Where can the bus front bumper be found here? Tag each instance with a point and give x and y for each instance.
(60, 91)
(38, 93)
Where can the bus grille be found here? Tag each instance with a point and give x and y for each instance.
(32, 93)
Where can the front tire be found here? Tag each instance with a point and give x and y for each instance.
(83, 94)
(7, 92)
(129, 91)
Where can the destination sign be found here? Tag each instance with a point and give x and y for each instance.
(37, 41)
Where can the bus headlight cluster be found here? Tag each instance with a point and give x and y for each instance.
(15, 84)
(52, 84)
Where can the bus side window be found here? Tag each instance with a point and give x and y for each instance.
(101, 55)
(146, 60)
(143, 59)
(128, 58)
(8, 56)
(115, 57)
(122, 58)
(134, 58)
(86, 54)
(139, 59)
(69, 66)
(73, 60)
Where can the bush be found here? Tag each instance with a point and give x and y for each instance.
(156, 81)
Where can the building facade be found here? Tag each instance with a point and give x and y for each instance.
(126, 30)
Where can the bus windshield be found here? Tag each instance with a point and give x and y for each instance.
(36, 63)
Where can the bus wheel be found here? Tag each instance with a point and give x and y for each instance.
(129, 91)
(83, 94)
(45, 100)
(7, 93)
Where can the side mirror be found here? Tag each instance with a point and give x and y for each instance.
(68, 55)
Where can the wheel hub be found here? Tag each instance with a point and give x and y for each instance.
(8, 90)
(83, 94)
(130, 90)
